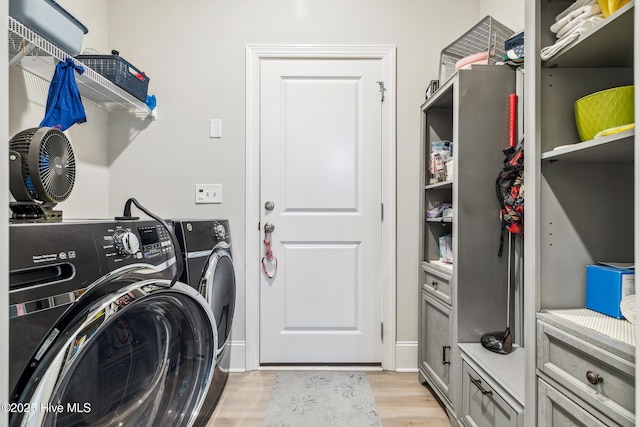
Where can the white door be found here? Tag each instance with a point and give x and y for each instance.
(320, 142)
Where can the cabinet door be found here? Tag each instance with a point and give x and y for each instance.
(435, 341)
(557, 410)
(482, 405)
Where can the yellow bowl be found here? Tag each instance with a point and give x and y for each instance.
(603, 110)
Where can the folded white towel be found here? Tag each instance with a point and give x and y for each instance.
(571, 19)
(574, 6)
(583, 27)
(628, 308)
(568, 29)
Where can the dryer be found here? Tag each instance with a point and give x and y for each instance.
(206, 250)
(99, 333)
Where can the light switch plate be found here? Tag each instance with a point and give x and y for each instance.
(208, 193)
(215, 128)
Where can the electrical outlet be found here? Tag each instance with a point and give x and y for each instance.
(208, 193)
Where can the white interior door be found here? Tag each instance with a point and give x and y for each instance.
(320, 143)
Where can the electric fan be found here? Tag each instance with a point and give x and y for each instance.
(42, 171)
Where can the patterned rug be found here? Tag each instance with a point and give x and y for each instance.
(321, 399)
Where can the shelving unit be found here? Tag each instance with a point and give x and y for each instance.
(39, 57)
(580, 210)
(460, 302)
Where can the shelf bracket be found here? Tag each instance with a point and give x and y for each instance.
(21, 54)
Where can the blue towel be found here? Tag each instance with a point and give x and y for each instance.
(64, 106)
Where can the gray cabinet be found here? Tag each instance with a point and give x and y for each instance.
(463, 299)
(434, 351)
(585, 364)
(555, 409)
(484, 404)
(597, 376)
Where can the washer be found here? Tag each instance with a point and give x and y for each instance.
(206, 250)
(99, 334)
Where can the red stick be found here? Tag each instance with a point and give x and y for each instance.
(513, 121)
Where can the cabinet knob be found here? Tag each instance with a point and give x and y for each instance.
(434, 283)
(594, 378)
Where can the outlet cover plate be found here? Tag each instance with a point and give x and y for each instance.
(208, 193)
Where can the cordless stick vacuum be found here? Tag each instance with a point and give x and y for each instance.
(502, 341)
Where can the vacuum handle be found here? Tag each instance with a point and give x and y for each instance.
(478, 383)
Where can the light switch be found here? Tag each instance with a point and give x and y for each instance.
(208, 193)
(215, 128)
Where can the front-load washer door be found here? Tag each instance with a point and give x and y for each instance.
(141, 356)
(218, 286)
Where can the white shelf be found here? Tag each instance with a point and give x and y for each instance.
(607, 45)
(441, 220)
(439, 265)
(39, 57)
(439, 185)
(612, 148)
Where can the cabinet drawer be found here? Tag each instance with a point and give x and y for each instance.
(556, 409)
(482, 405)
(603, 380)
(437, 284)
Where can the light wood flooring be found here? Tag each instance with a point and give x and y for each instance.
(400, 399)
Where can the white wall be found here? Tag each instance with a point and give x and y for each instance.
(194, 54)
(27, 100)
(507, 12)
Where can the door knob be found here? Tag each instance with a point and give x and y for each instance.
(269, 205)
(269, 227)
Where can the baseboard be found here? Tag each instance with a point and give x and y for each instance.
(406, 356)
(238, 356)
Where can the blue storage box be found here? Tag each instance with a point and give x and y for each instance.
(606, 286)
(50, 20)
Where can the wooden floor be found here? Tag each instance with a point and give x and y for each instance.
(400, 399)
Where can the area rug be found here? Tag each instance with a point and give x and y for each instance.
(321, 399)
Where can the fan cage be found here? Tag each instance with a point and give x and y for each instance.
(48, 167)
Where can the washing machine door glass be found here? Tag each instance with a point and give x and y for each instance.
(142, 356)
(218, 286)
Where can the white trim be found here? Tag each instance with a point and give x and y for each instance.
(238, 356)
(407, 356)
(321, 368)
(254, 55)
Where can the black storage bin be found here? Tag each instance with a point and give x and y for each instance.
(120, 72)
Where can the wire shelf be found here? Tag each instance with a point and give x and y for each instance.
(38, 56)
(488, 35)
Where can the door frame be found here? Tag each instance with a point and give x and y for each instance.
(255, 53)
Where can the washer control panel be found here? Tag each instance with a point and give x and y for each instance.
(126, 242)
(154, 240)
(136, 241)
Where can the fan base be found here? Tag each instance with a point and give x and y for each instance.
(33, 212)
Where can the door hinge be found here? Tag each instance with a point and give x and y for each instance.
(381, 211)
(381, 331)
(381, 90)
